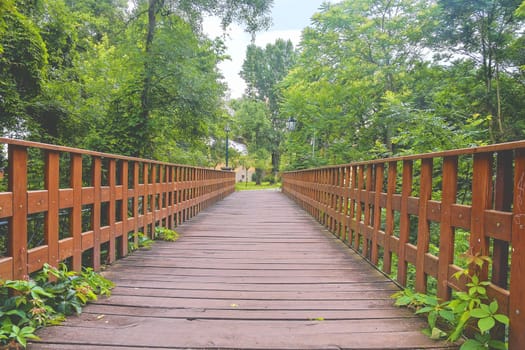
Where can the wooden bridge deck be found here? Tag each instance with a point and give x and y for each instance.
(252, 272)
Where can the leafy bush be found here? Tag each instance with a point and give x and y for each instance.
(470, 309)
(45, 300)
(165, 234)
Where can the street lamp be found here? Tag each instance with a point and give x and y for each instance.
(227, 130)
(291, 124)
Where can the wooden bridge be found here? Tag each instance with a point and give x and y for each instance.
(254, 271)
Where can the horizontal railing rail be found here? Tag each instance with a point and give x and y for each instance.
(62, 204)
(412, 217)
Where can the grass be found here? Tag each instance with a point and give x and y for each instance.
(243, 186)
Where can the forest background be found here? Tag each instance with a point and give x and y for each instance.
(370, 78)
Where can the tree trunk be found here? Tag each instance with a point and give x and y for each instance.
(145, 98)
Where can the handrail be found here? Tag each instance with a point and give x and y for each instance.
(386, 210)
(102, 197)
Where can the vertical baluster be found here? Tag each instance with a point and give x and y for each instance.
(76, 210)
(124, 180)
(481, 200)
(404, 222)
(95, 215)
(51, 229)
(17, 247)
(423, 229)
(517, 268)
(389, 224)
(380, 171)
(112, 173)
(446, 232)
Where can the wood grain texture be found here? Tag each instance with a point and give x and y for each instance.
(252, 272)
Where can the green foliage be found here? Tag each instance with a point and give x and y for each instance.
(46, 300)
(467, 309)
(251, 185)
(139, 240)
(165, 234)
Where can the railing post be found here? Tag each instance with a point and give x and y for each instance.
(481, 200)
(124, 181)
(18, 228)
(379, 171)
(112, 173)
(423, 230)
(446, 235)
(517, 267)
(95, 215)
(389, 224)
(404, 222)
(52, 184)
(76, 210)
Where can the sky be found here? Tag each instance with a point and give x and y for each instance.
(289, 19)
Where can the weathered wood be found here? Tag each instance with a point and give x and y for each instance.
(446, 238)
(251, 272)
(485, 208)
(423, 230)
(94, 196)
(517, 268)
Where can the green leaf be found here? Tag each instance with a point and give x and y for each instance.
(472, 344)
(424, 310)
(502, 319)
(486, 324)
(437, 334)
(479, 313)
(497, 344)
(447, 315)
(493, 307)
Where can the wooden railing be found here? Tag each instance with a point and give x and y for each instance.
(411, 217)
(90, 204)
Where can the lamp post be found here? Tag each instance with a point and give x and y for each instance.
(227, 130)
(291, 123)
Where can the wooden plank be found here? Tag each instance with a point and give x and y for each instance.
(367, 216)
(481, 200)
(283, 283)
(378, 187)
(389, 225)
(404, 222)
(75, 220)
(446, 235)
(423, 229)
(517, 268)
(112, 207)
(17, 240)
(52, 183)
(124, 180)
(95, 215)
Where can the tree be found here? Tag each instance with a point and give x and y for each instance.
(254, 14)
(23, 63)
(263, 70)
(255, 129)
(483, 31)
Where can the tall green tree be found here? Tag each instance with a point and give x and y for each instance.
(483, 31)
(253, 13)
(263, 69)
(23, 66)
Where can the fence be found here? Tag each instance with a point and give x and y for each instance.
(90, 204)
(412, 216)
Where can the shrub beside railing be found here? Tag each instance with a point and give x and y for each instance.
(413, 216)
(61, 204)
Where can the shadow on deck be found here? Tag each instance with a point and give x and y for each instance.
(252, 272)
